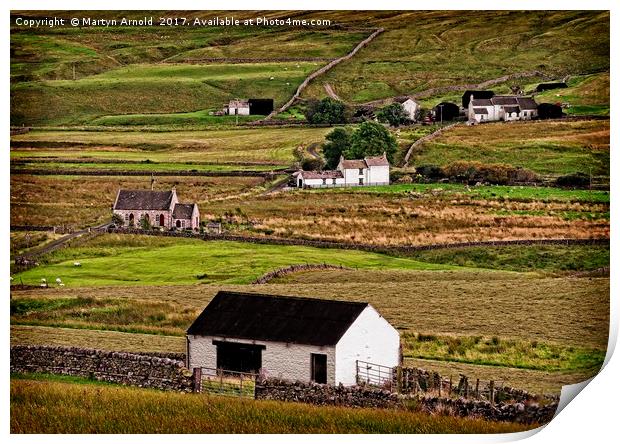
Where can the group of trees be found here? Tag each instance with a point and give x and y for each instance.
(368, 139)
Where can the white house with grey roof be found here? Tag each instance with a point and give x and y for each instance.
(292, 338)
(505, 108)
(410, 106)
(159, 208)
(349, 173)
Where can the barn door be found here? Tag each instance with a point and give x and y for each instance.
(318, 368)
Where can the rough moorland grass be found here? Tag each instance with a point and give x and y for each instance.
(22, 241)
(551, 148)
(54, 406)
(269, 145)
(109, 260)
(534, 355)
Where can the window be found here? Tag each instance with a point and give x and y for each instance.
(324, 181)
(361, 171)
(178, 224)
(361, 181)
(318, 368)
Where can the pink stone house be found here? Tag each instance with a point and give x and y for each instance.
(159, 208)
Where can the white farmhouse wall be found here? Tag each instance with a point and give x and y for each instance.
(379, 175)
(280, 360)
(370, 338)
(352, 176)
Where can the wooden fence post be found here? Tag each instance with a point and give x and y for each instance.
(197, 379)
(477, 386)
(491, 392)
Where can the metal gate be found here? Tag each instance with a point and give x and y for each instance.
(375, 374)
(228, 383)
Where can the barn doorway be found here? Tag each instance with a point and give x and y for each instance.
(236, 357)
(318, 368)
(300, 184)
(131, 219)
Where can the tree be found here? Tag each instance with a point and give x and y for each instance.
(394, 114)
(117, 219)
(326, 110)
(371, 139)
(338, 142)
(145, 223)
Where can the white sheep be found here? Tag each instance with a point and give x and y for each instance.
(77, 264)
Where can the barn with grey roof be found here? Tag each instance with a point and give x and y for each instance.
(293, 338)
(156, 208)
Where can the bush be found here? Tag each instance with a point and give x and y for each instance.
(326, 110)
(394, 114)
(117, 219)
(432, 172)
(579, 180)
(496, 173)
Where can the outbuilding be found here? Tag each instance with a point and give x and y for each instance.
(292, 338)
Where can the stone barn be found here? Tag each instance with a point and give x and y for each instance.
(159, 208)
(445, 111)
(292, 338)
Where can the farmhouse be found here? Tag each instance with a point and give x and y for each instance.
(410, 106)
(349, 173)
(159, 208)
(247, 107)
(291, 338)
(504, 108)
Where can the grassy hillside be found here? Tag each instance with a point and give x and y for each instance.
(47, 405)
(548, 148)
(587, 94)
(430, 49)
(117, 74)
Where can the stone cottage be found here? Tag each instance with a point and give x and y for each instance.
(159, 208)
(349, 173)
(292, 338)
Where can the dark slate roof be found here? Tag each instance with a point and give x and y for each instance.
(477, 95)
(527, 103)
(143, 200)
(504, 100)
(481, 102)
(512, 109)
(481, 111)
(183, 211)
(276, 318)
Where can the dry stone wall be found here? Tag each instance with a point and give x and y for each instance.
(116, 367)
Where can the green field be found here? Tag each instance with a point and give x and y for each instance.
(118, 260)
(484, 192)
(44, 404)
(66, 168)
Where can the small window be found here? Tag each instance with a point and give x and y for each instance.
(324, 181)
(318, 368)
(361, 181)
(361, 170)
(178, 224)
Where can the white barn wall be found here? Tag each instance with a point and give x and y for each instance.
(279, 360)
(370, 338)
